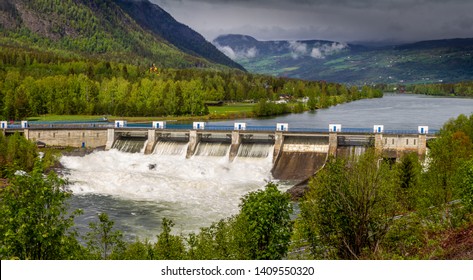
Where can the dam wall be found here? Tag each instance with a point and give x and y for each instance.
(393, 144)
(96, 137)
(296, 154)
(300, 157)
(85, 138)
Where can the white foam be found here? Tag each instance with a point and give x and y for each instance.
(198, 191)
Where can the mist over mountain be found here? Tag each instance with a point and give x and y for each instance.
(420, 62)
(243, 46)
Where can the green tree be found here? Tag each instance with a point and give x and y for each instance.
(138, 250)
(446, 179)
(172, 98)
(313, 99)
(193, 103)
(214, 242)
(298, 108)
(267, 108)
(264, 224)
(34, 219)
(448, 153)
(102, 240)
(16, 153)
(169, 246)
(349, 207)
(467, 185)
(409, 172)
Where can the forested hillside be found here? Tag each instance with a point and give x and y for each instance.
(33, 83)
(152, 17)
(85, 28)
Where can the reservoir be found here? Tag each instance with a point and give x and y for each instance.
(138, 190)
(394, 111)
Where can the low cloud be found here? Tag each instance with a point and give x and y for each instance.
(321, 52)
(316, 53)
(297, 49)
(237, 54)
(252, 52)
(227, 51)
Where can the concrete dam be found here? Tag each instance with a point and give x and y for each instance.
(300, 157)
(296, 154)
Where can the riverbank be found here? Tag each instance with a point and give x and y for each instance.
(224, 112)
(229, 111)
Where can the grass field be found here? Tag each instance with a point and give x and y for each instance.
(230, 111)
(232, 108)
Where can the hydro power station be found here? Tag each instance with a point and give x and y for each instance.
(296, 153)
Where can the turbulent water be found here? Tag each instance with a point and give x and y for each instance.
(130, 145)
(170, 148)
(212, 149)
(138, 190)
(255, 150)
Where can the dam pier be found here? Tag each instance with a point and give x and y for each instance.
(296, 154)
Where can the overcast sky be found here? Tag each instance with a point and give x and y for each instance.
(337, 20)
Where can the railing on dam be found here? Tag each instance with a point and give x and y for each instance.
(59, 124)
(210, 127)
(103, 124)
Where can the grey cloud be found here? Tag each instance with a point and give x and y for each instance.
(274, 4)
(341, 20)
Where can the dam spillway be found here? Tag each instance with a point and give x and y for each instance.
(300, 157)
(130, 144)
(296, 153)
(170, 148)
(255, 150)
(213, 145)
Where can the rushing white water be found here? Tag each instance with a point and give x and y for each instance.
(255, 150)
(130, 145)
(170, 148)
(216, 149)
(140, 190)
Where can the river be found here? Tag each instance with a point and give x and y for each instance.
(394, 111)
(138, 190)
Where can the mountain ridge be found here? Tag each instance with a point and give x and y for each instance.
(99, 28)
(152, 17)
(420, 62)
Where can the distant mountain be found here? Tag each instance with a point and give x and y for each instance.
(460, 44)
(153, 18)
(422, 62)
(107, 29)
(241, 46)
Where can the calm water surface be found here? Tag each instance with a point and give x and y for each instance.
(394, 111)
